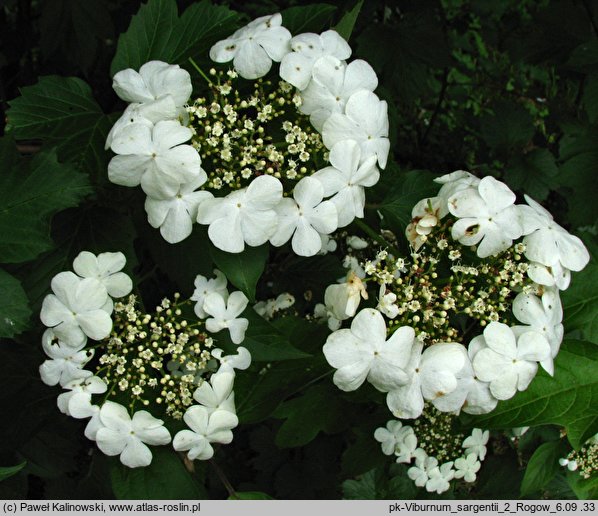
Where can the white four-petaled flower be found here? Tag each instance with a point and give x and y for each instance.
(128, 437)
(203, 286)
(363, 352)
(106, 268)
(305, 217)
(308, 50)
(253, 48)
(224, 314)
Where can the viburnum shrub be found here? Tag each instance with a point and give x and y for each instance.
(286, 283)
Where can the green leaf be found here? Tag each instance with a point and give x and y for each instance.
(166, 478)
(14, 306)
(61, 111)
(157, 32)
(6, 472)
(542, 467)
(347, 23)
(266, 343)
(570, 398)
(250, 495)
(590, 96)
(73, 30)
(33, 193)
(535, 173)
(317, 410)
(577, 152)
(584, 489)
(244, 269)
(405, 190)
(307, 18)
(580, 301)
(365, 488)
(510, 126)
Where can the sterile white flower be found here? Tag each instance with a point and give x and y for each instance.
(357, 243)
(365, 121)
(570, 464)
(455, 182)
(268, 308)
(217, 394)
(77, 402)
(66, 362)
(75, 310)
(467, 467)
(439, 477)
(332, 85)
(509, 364)
(397, 440)
(325, 313)
(241, 360)
(363, 351)
(487, 216)
(388, 436)
(548, 243)
(345, 179)
(425, 215)
(308, 50)
(432, 374)
(155, 158)
(342, 299)
(225, 314)
(555, 275)
(305, 218)
(203, 286)
(253, 47)
(175, 214)
(128, 437)
(387, 302)
(471, 395)
(105, 267)
(205, 428)
(149, 114)
(423, 465)
(476, 443)
(243, 216)
(154, 81)
(543, 316)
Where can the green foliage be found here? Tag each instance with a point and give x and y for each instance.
(317, 410)
(14, 306)
(38, 190)
(346, 24)
(266, 343)
(308, 18)
(7, 472)
(157, 32)
(568, 398)
(250, 495)
(62, 112)
(244, 269)
(579, 302)
(166, 478)
(542, 467)
(403, 192)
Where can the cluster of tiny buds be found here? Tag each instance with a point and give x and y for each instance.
(235, 133)
(154, 357)
(436, 436)
(426, 298)
(585, 460)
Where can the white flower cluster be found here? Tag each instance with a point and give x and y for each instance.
(492, 366)
(407, 347)
(80, 307)
(401, 441)
(149, 142)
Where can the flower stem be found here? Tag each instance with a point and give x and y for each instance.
(200, 71)
(231, 491)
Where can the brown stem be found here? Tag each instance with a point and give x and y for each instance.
(231, 491)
